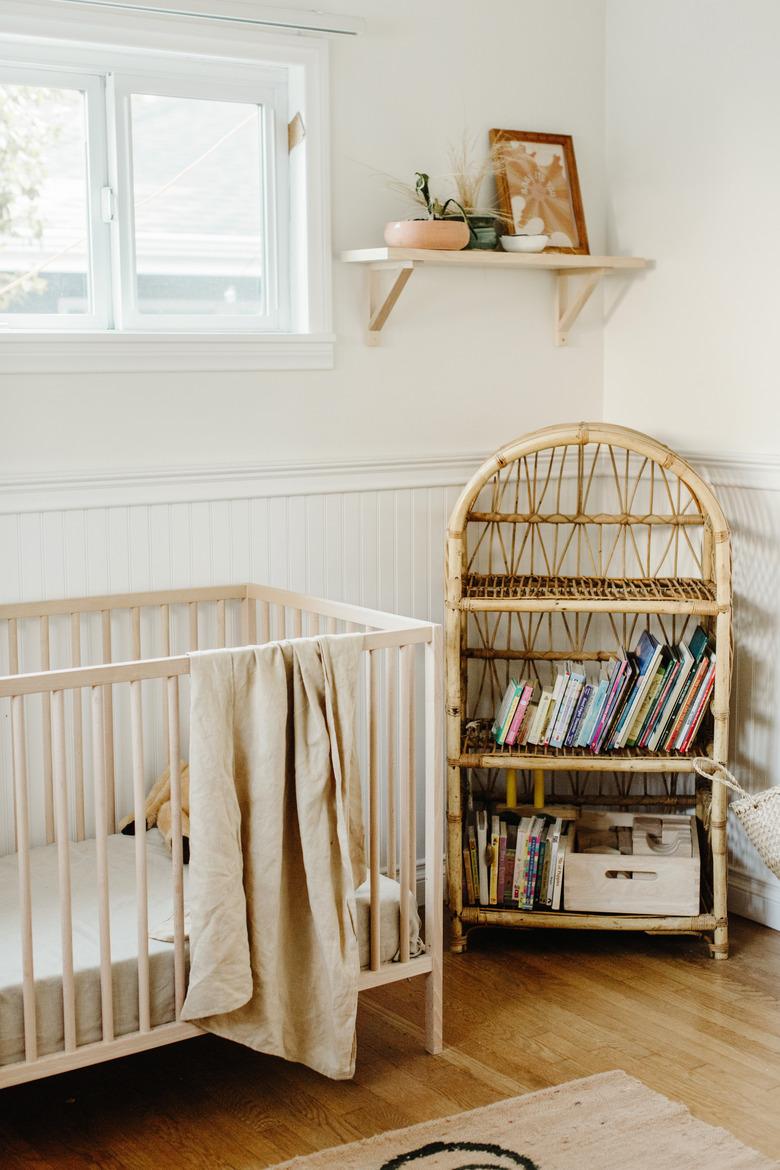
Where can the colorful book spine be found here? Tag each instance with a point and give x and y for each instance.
(579, 715)
(501, 864)
(470, 894)
(519, 715)
(472, 836)
(495, 837)
(592, 714)
(698, 709)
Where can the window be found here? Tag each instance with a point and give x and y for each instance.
(151, 195)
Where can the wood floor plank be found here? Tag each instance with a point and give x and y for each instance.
(522, 1010)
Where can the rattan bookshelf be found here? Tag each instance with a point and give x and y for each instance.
(565, 544)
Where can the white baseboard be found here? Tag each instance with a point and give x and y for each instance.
(754, 897)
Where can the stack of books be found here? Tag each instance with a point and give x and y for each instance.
(516, 864)
(653, 698)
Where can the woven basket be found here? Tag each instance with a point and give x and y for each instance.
(757, 812)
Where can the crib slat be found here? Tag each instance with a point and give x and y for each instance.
(373, 808)
(23, 859)
(48, 789)
(108, 725)
(13, 646)
(221, 640)
(331, 625)
(407, 665)
(165, 650)
(139, 801)
(100, 780)
(391, 708)
(412, 749)
(297, 623)
(434, 838)
(78, 728)
(13, 668)
(265, 622)
(249, 621)
(176, 845)
(193, 607)
(63, 867)
(135, 632)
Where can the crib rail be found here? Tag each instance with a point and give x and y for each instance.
(84, 705)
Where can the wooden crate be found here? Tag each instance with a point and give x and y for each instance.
(625, 884)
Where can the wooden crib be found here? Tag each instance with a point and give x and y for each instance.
(93, 703)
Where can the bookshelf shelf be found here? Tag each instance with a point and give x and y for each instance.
(479, 750)
(491, 592)
(567, 544)
(651, 923)
(400, 263)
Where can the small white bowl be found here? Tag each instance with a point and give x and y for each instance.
(524, 243)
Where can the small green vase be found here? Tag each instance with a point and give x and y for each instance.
(483, 233)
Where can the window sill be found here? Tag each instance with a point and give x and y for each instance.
(64, 353)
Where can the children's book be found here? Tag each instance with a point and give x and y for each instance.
(647, 655)
(501, 863)
(670, 682)
(521, 860)
(482, 844)
(578, 716)
(561, 683)
(592, 713)
(517, 720)
(495, 837)
(541, 716)
(560, 862)
(503, 709)
(573, 690)
(472, 838)
(469, 877)
(671, 700)
(697, 647)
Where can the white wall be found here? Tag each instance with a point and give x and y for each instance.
(465, 354)
(693, 92)
(693, 159)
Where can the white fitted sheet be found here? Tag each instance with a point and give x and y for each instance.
(124, 950)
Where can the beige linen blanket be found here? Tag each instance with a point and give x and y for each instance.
(276, 849)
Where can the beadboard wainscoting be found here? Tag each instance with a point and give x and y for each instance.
(370, 533)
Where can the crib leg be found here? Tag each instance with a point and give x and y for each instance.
(434, 1039)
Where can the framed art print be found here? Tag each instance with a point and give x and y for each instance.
(538, 187)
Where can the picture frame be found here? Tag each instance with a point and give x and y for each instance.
(539, 189)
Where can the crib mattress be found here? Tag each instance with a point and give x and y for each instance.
(124, 959)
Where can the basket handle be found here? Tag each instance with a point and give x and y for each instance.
(711, 770)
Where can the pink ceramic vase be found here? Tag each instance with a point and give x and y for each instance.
(449, 235)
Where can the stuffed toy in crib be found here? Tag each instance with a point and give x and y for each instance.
(158, 810)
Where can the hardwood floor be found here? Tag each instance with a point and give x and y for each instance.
(523, 1011)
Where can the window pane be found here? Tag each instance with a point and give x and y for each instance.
(197, 174)
(43, 200)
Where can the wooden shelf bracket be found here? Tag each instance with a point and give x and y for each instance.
(566, 313)
(381, 306)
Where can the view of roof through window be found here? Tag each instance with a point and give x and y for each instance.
(198, 201)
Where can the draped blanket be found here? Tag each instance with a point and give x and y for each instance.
(276, 849)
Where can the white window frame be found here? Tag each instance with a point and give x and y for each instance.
(143, 49)
(270, 97)
(99, 316)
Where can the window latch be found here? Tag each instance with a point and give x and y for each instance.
(107, 204)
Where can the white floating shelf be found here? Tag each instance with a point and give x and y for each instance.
(563, 265)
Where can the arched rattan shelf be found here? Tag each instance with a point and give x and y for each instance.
(564, 545)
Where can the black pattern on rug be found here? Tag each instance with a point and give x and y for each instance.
(499, 1158)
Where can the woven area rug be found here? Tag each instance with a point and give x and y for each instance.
(606, 1122)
